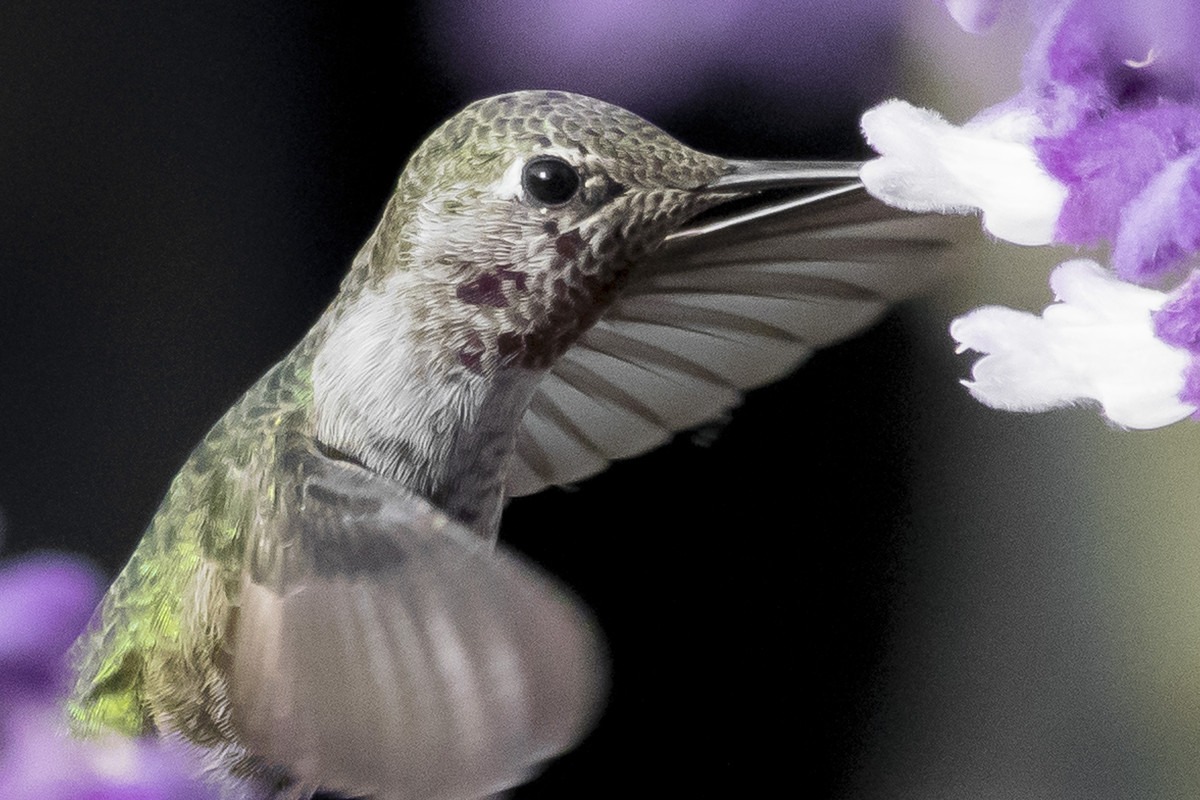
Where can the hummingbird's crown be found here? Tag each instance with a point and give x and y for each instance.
(635, 152)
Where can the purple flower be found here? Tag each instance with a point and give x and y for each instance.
(40, 761)
(1117, 85)
(1177, 323)
(1114, 170)
(1102, 146)
(657, 55)
(45, 602)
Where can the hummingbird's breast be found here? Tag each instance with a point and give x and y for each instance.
(409, 381)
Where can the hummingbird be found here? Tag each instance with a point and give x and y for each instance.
(320, 604)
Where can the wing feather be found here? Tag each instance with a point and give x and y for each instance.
(722, 307)
(568, 455)
(603, 426)
(382, 650)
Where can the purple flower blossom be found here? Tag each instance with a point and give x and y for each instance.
(1160, 227)
(1177, 323)
(1116, 86)
(1109, 166)
(40, 761)
(657, 55)
(45, 602)
(1102, 146)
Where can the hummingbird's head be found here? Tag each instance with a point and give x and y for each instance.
(525, 212)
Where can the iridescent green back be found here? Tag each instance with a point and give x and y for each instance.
(153, 654)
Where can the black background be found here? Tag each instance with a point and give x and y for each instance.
(182, 188)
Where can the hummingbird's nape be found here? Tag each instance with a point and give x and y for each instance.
(555, 283)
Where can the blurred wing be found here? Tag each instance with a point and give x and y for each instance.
(719, 309)
(382, 650)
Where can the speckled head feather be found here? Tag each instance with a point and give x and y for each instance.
(634, 151)
(523, 278)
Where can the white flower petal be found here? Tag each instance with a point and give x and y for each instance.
(975, 16)
(927, 164)
(1096, 343)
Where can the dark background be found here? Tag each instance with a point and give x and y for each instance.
(182, 188)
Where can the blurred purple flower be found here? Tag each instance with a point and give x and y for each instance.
(45, 602)
(40, 761)
(657, 55)
(1101, 146)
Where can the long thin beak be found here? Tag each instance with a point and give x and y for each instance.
(760, 190)
(757, 176)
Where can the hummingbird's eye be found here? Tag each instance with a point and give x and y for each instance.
(550, 181)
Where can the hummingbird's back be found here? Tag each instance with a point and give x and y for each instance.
(152, 657)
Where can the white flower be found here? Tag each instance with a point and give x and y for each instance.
(1096, 343)
(927, 164)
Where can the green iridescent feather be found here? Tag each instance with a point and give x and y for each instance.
(148, 654)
